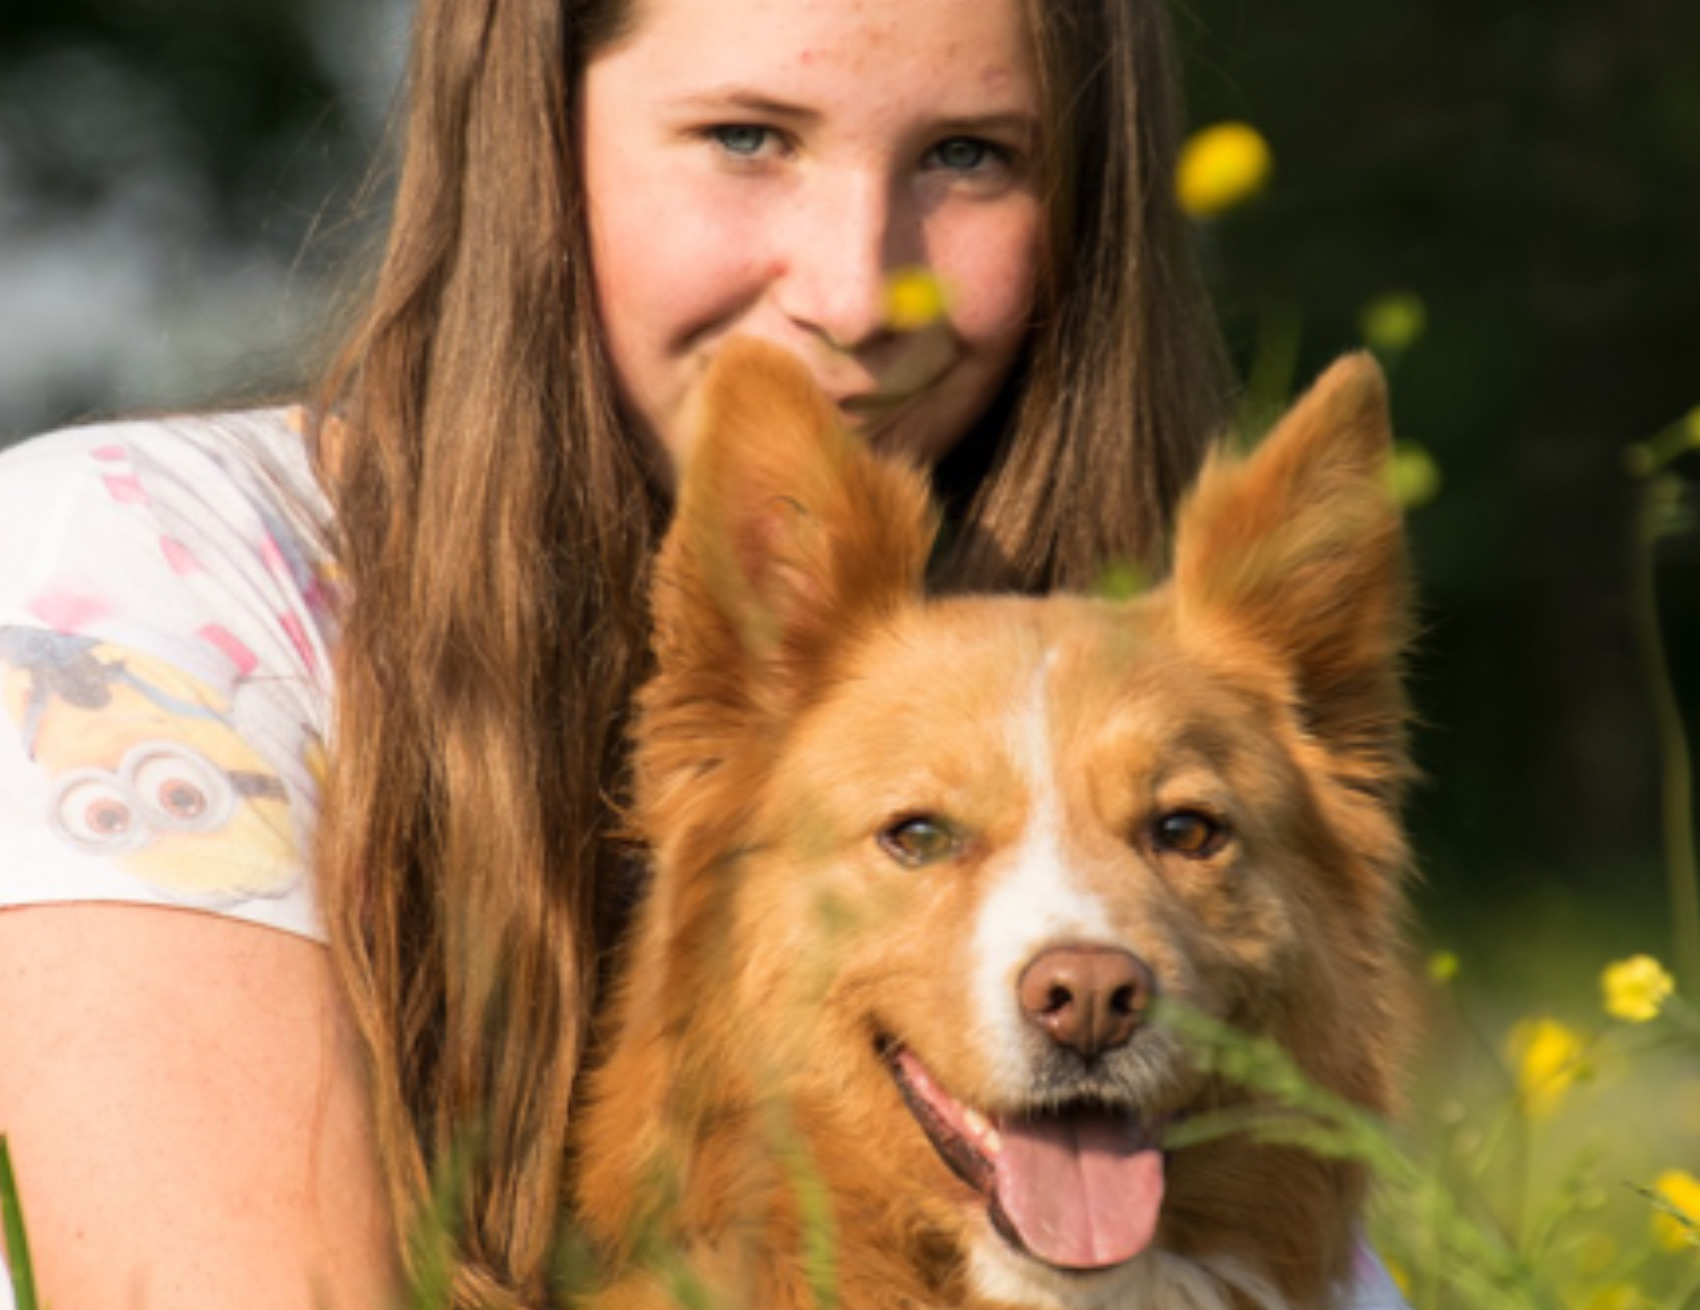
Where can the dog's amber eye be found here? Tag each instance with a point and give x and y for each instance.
(918, 840)
(1190, 833)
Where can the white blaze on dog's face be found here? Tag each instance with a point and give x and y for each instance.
(973, 840)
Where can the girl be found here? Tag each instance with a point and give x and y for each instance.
(390, 638)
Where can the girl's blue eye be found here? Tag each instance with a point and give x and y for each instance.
(963, 154)
(739, 139)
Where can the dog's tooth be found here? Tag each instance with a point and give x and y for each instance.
(975, 1121)
(992, 1140)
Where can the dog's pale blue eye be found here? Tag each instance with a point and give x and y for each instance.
(1189, 833)
(918, 840)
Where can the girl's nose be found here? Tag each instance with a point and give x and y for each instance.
(841, 246)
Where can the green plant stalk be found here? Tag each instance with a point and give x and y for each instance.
(1676, 767)
(431, 1235)
(1269, 385)
(1480, 1266)
(17, 1245)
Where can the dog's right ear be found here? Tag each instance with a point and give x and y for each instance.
(789, 534)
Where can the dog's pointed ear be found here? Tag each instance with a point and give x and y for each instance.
(1299, 547)
(789, 531)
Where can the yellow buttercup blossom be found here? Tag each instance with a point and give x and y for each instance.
(1220, 167)
(914, 299)
(1443, 967)
(1548, 1057)
(1618, 1296)
(1636, 989)
(1393, 322)
(1413, 475)
(1681, 1191)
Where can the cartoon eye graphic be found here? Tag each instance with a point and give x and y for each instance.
(95, 812)
(180, 788)
(181, 799)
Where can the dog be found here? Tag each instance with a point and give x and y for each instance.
(923, 866)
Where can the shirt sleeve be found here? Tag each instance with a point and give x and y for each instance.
(1372, 1287)
(163, 683)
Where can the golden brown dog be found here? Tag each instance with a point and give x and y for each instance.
(923, 865)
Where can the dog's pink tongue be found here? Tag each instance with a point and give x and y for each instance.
(1078, 1189)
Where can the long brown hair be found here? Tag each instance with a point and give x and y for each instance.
(495, 526)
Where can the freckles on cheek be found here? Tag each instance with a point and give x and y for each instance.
(992, 271)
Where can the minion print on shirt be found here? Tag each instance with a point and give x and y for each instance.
(145, 768)
(166, 624)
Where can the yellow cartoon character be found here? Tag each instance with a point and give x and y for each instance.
(146, 769)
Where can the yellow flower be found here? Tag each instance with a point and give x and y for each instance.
(1617, 1296)
(1393, 322)
(1635, 989)
(1681, 1191)
(1413, 474)
(1548, 1057)
(1220, 167)
(914, 299)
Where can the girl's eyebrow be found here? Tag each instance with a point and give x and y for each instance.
(1025, 126)
(733, 97)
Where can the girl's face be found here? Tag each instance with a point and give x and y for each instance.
(762, 167)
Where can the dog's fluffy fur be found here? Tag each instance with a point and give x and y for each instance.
(871, 812)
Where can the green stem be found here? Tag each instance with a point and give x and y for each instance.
(1269, 385)
(1676, 768)
(17, 1246)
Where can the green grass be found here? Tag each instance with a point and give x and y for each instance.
(17, 1244)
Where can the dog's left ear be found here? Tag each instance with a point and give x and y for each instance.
(1299, 548)
(789, 531)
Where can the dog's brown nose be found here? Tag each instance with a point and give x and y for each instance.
(1090, 998)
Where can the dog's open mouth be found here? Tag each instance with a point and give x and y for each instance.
(1079, 1188)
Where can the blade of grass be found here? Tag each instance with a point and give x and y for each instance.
(1676, 767)
(17, 1244)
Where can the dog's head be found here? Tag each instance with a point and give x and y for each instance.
(925, 864)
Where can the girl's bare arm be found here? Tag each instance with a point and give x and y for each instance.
(187, 1114)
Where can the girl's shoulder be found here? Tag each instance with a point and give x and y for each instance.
(235, 466)
(166, 620)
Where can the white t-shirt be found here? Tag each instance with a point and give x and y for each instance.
(164, 666)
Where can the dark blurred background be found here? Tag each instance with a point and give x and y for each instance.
(1530, 171)
(176, 176)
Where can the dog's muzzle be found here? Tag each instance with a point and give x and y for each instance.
(1078, 1188)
